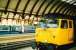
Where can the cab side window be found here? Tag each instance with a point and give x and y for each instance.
(70, 24)
(64, 24)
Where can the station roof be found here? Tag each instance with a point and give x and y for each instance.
(38, 7)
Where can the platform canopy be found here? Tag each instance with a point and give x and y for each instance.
(37, 7)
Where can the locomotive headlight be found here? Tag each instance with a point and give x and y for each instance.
(45, 41)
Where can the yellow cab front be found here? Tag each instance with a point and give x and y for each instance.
(55, 31)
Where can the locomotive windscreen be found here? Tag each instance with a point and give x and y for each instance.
(49, 23)
(52, 23)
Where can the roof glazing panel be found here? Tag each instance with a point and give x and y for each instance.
(3, 3)
(43, 7)
(30, 5)
(37, 6)
(12, 4)
(22, 4)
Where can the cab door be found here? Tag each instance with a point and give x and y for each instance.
(63, 32)
(70, 33)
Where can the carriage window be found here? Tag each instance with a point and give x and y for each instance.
(70, 24)
(64, 24)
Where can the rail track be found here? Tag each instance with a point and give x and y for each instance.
(15, 45)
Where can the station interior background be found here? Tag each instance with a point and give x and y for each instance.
(21, 16)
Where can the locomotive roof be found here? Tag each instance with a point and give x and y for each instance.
(56, 16)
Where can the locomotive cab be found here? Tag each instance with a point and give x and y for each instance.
(54, 31)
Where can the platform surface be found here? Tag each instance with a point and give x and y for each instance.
(16, 37)
(26, 48)
(74, 48)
